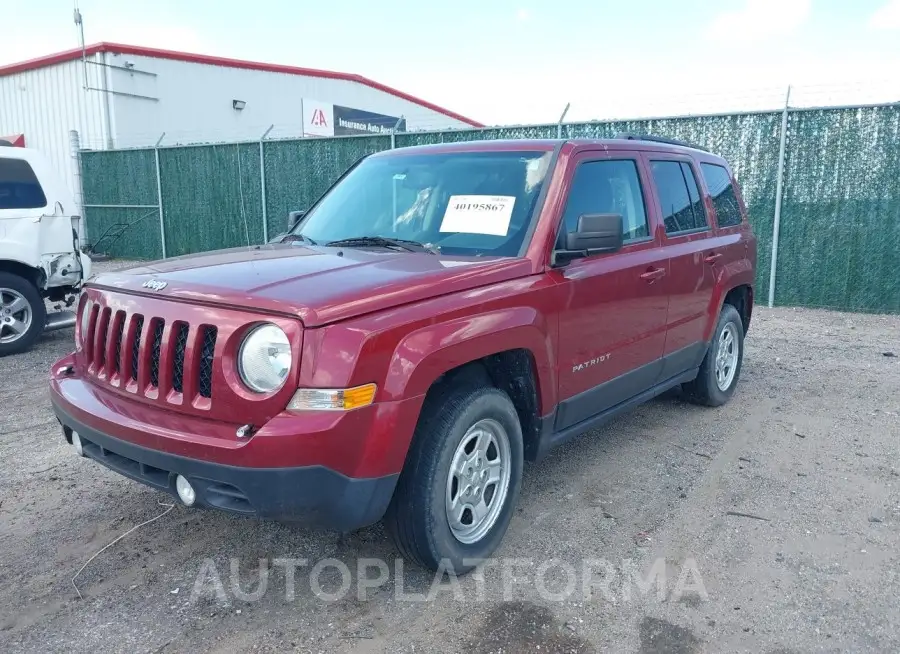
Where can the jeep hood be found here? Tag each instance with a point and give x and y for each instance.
(317, 284)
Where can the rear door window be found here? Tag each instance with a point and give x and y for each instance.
(679, 198)
(611, 186)
(19, 187)
(718, 181)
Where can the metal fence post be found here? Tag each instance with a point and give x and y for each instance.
(262, 184)
(75, 147)
(162, 226)
(559, 123)
(779, 190)
(394, 132)
(302, 120)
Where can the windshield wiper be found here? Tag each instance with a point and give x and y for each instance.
(382, 241)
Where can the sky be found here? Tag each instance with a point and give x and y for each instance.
(522, 61)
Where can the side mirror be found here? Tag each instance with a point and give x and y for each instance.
(294, 217)
(596, 233)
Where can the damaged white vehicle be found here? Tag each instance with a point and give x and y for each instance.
(40, 254)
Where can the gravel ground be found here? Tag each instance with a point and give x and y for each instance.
(771, 524)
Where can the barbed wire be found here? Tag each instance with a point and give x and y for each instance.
(614, 107)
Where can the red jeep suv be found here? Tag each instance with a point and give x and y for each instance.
(440, 315)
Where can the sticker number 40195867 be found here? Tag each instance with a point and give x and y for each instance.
(478, 214)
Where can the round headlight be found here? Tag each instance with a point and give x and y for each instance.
(85, 322)
(265, 358)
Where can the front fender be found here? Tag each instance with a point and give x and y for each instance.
(427, 353)
(404, 350)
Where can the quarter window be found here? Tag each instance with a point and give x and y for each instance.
(679, 198)
(608, 187)
(19, 188)
(694, 193)
(718, 181)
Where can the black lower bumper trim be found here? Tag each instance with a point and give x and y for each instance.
(312, 494)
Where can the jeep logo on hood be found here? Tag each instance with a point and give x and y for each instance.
(155, 284)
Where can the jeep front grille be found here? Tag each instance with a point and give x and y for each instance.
(145, 352)
(147, 355)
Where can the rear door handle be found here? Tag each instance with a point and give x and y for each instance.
(713, 257)
(653, 274)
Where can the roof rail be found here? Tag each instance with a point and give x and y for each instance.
(657, 139)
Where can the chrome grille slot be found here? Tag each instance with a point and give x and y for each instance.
(136, 346)
(101, 336)
(207, 354)
(119, 328)
(88, 337)
(181, 339)
(156, 350)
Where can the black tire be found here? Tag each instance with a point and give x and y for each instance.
(36, 307)
(416, 519)
(705, 388)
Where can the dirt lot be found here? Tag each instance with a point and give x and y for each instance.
(806, 458)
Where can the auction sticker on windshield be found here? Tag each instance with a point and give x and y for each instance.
(478, 214)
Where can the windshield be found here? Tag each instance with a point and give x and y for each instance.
(466, 203)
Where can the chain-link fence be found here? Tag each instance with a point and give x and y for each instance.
(839, 242)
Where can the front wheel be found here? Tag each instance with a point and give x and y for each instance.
(22, 314)
(459, 486)
(721, 367)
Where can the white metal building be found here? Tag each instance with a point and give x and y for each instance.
(118, 96)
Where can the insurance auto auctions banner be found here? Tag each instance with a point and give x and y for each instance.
(357, 121)
(325, 119)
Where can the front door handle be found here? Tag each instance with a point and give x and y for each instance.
(653, 274)
(713, 257)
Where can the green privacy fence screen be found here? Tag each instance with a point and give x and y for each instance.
(120, 201)
(839, 244)
(840, 225)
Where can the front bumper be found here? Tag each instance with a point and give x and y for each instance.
(310, 494)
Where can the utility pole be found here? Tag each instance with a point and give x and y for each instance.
(80, 25)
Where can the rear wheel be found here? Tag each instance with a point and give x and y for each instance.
(460, 483)
(22, 314)
(721, 367)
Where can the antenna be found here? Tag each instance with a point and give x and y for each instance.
(76, 15)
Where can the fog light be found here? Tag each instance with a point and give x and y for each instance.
(185, 491)
(76, 443)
